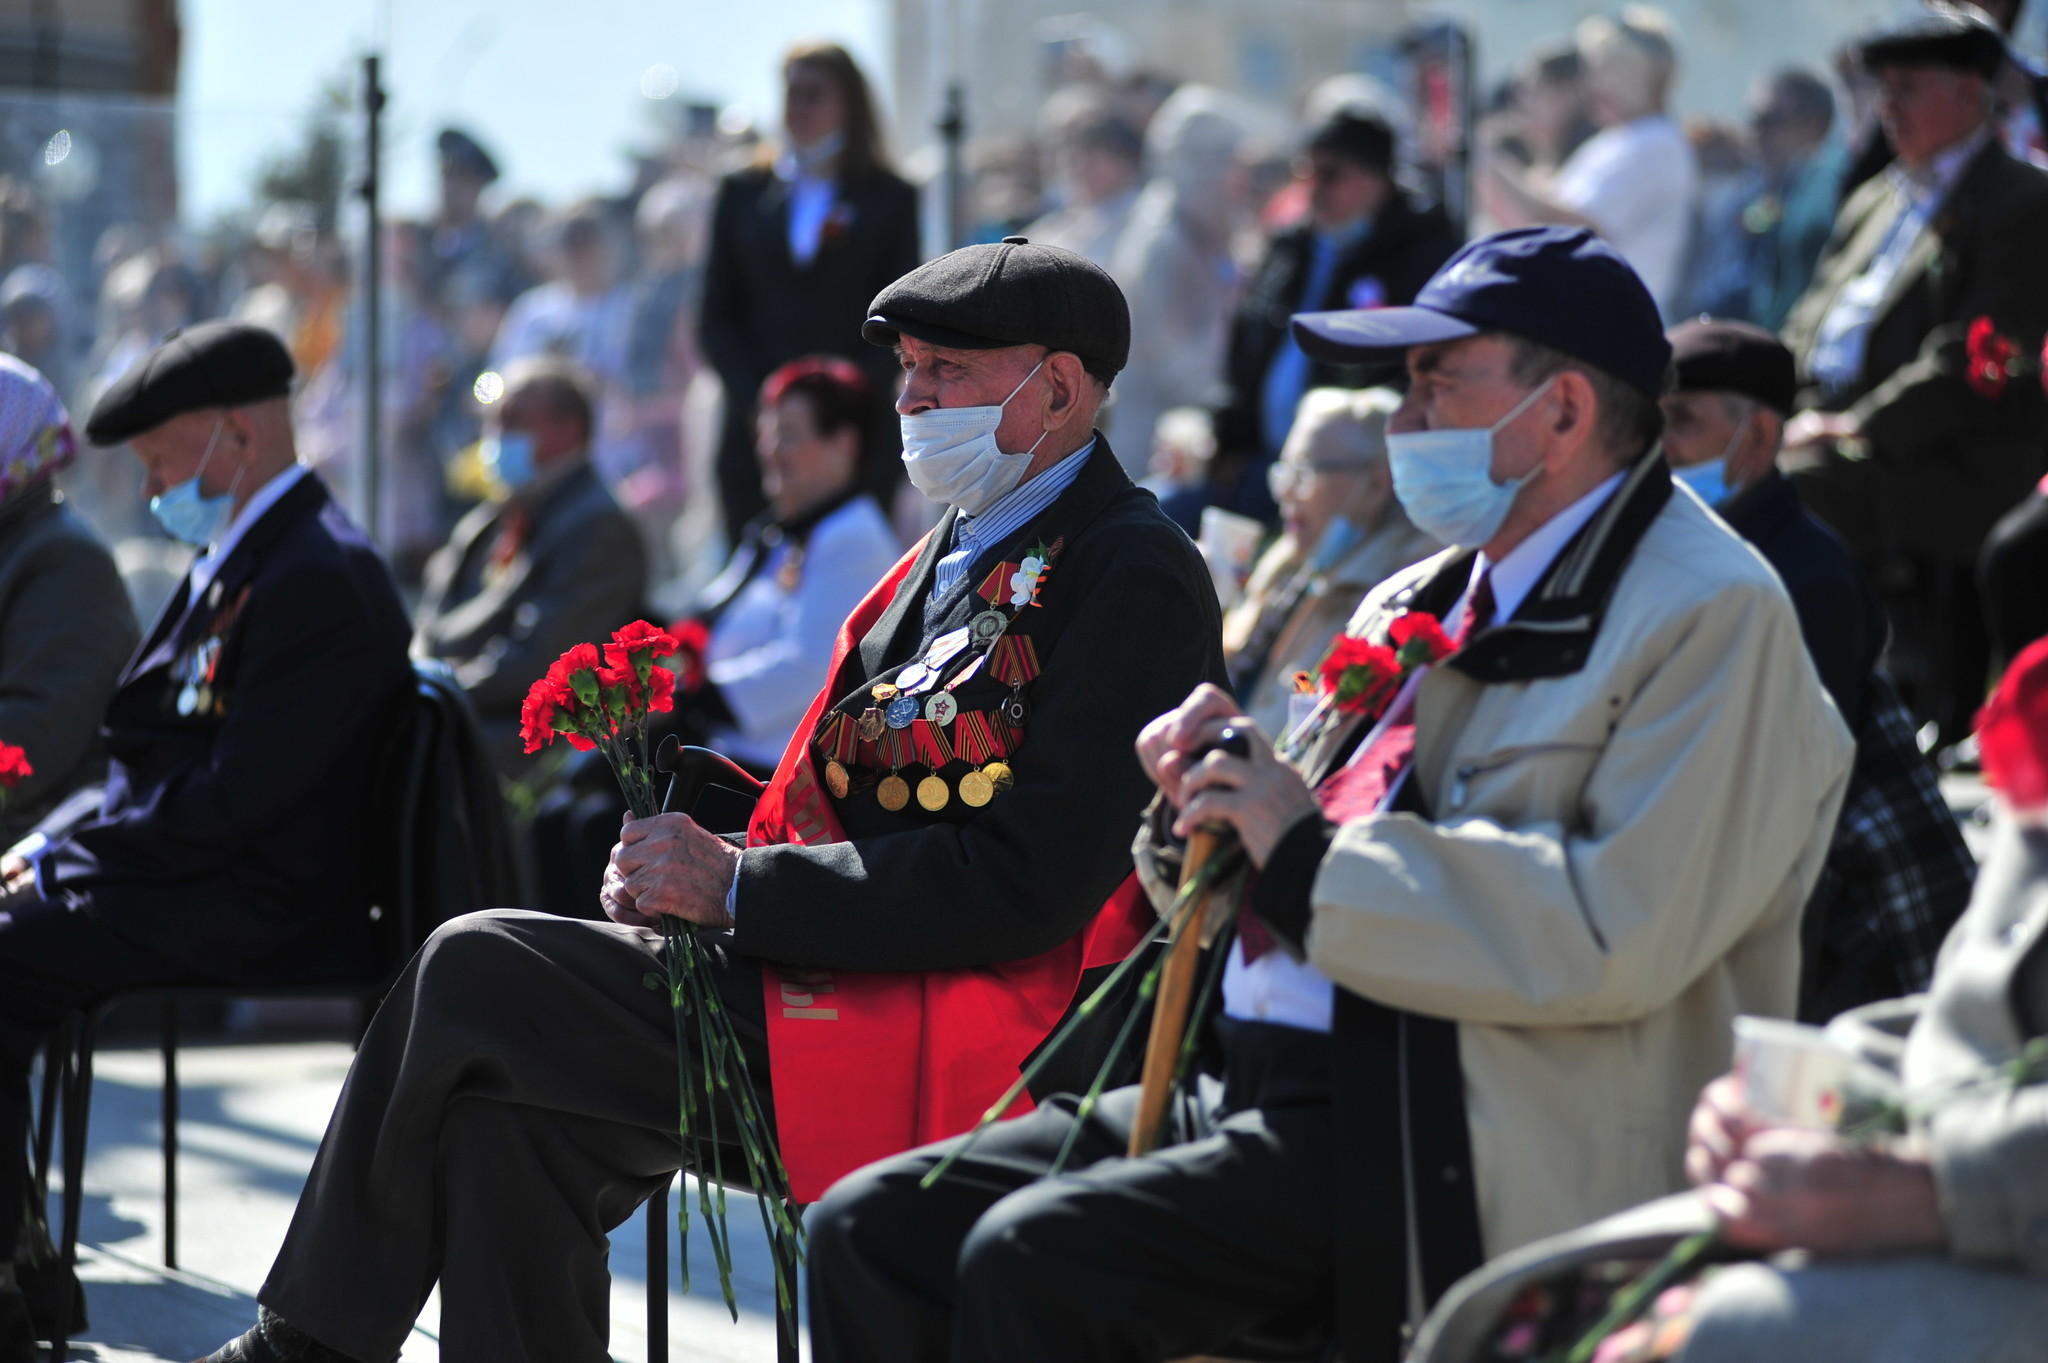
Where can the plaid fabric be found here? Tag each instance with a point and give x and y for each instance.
(1897, 877)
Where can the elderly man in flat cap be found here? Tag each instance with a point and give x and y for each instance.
(1898, 874)
(1902, 443)
(242, 739)
(1506, 904)
(940, 862)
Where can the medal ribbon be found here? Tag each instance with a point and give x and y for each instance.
(974, 736)
(1014, 659)
(929, 744)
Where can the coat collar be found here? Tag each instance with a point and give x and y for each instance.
(1552, 634)
(1100, 479)
(1763, 510)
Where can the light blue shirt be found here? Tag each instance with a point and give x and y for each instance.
(1287, 375)
(1845, 332)
(973, 535)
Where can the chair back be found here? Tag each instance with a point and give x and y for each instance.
(447, 843)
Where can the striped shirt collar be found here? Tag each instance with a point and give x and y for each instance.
(975, 535)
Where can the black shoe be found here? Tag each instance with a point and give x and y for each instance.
(273, 1340)
(17, 1336)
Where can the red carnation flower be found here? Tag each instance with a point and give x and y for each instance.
(2012, 733)
(14, 767)
(661, 690)
(1988, 363)
(692, 641)
(638, 641)
(1419, 638)
(1358, 673)
(537, 713)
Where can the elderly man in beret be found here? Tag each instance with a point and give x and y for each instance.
(242, 739)
(1902, 443)
(1898, 875)
(888, 961)
(1502, 917)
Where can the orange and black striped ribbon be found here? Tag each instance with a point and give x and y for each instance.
(930, 744)
(1014, 659)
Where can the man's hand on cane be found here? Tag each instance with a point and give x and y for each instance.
(1258, 797)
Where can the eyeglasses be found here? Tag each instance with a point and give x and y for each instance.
(1283, 478)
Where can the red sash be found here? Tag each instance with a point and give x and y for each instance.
(868, 1065)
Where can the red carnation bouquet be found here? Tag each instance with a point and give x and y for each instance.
(1992, 360)
(2012, 735)
(1360, 677)
(599, 700)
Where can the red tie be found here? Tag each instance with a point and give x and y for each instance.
(1357, 788)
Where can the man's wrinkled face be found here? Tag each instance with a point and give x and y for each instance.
(1460, 385)
(1697, 427)
(945, 376)
(173, 452)
(1925, 109)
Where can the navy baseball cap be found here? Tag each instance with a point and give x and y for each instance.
(1561, 287)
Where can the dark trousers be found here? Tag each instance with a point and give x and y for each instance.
(54, 960)
(2012, 574)
(1188, 1250)
(514, 1100)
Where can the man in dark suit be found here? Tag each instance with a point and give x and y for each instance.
(1905, 446)
(517, 1096)
(1898, 873)
(799, 245)
(1367, 243)
(243, 740)
(555, 562)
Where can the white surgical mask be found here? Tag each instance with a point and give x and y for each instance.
(1444, 479)
(950, 453)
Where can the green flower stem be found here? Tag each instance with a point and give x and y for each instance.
(1146, 989)
(1183, 906)
(1640, 1295)
(1198, 1017)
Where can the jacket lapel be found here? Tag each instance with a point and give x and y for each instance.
(1956, 205)
(910, 593)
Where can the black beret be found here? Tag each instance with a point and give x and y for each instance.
(1008, 293)
(211, 364)
(1713, 356)
(1958, 37)
(460, 151)
(1357, 136)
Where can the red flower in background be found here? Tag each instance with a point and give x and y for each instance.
(2012, 733)
(14, 767)
(692, 640)
(1989, 359)
(1357, 673)
(1419, 638)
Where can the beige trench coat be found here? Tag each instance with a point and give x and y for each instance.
(1616, 868)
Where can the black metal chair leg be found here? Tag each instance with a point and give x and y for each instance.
(55, 1052)
(77, 1112)
(657, 1277)
(170, 1046)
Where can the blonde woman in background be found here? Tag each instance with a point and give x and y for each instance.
(1342, 532)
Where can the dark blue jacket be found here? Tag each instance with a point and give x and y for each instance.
(239, 807)
(1839, 614)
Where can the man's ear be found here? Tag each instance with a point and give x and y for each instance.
(1573, 411)
(1069, 388)
(1760, 446)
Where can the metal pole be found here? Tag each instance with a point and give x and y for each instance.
(372, 351)
(952, 128)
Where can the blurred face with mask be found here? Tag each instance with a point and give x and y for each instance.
(1719, 444)
(1331, 472)
(529, 432)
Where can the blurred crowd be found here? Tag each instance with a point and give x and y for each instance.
(733, 252)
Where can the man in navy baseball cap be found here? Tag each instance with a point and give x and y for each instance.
(1536, 360)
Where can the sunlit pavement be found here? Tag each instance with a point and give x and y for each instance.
(252, 1117)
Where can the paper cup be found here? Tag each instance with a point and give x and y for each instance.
(1228, 542)
(1791, 1074)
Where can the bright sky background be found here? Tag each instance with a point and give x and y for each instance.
(552, 87)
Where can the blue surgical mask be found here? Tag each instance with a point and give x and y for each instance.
(185, 514)
(508, 457)
(1444, 479)
(1339, 538)
(1709, 481)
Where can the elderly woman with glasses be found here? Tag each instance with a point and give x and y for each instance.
(1342, 533)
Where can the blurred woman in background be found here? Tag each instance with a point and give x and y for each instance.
(66, 627)
(800, 244)
(1342, 534)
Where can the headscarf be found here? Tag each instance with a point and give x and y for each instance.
(35, 430)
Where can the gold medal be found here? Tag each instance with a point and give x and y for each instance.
(884, 692)
(836, 780)
(893, 793)
(999, 775)
(932, 792)
(870, 724)
(976, 789)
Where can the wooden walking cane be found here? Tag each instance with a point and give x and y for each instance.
(1177, 980)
